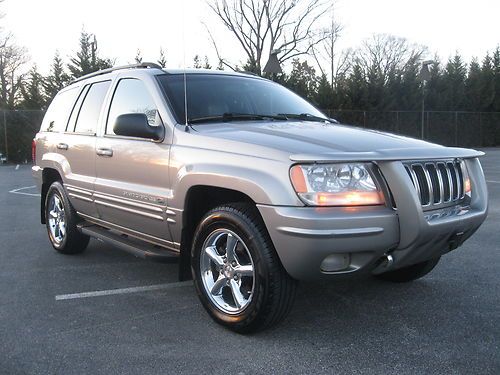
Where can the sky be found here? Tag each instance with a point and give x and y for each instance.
(178, 26)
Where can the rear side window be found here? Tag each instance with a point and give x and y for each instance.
(56, 118)
(131, 96)
(90, 110)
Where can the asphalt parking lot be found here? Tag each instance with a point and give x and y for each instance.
(446, 323)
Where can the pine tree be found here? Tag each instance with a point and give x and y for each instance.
(206, 64)
(323, 97)
(57, 79)
(487, 95)
(356, 89)
(252, 67)
(303, 79)
(87, 59)
(375, 90)
(473, 87)
(496, 79)
(196, 62)
(32, 91)
(162, 61)
(409, 96)
(220, 66)
(435, 87)
(454, 79)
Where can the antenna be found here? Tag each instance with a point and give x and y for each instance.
(186, 125)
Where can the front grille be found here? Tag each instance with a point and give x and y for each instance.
(438, 183)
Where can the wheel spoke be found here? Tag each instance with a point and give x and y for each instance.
(226, 263)
(57, 231)
(62, 229)
(230, 248)
(239, 300)
(53, 214)
(246, 270)
(219, 284)
(214, 256)
(57, 204)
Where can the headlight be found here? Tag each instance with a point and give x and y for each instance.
(336, 185)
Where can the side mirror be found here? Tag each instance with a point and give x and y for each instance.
(136, 125)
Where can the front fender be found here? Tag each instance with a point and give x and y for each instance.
(264, 185)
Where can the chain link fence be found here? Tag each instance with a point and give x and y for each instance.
(461, 129)
(17, 130)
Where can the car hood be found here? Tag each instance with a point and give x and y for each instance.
(316, 141)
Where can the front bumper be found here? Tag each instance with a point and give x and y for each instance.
(329, 242)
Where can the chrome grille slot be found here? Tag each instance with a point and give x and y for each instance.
(437, 183)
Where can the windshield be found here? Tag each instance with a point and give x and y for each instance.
(233, 98)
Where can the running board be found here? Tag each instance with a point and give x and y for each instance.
(129, 244)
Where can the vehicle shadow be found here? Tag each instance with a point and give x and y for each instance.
(367, 307)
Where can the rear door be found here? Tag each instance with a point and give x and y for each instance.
(77, 146)
(132, 185)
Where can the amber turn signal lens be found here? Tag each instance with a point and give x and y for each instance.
(350, 198)
(298, 180)
(467, 186)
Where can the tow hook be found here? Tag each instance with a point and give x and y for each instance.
(455, 241)
(387, 261)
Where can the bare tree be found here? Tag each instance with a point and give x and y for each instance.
(384, 54)
(262, 26)
(326, 52)
(12, 58)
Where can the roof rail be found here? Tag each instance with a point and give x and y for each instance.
(109, 70)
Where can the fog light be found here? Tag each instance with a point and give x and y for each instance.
(336, 262)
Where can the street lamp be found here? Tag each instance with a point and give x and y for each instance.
(425, 74)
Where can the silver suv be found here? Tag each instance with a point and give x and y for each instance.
(247, 186)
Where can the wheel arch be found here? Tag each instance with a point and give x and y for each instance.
(49, 176)
(198, 201)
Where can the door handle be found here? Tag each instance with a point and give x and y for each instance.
(104, 152)
(62, 146)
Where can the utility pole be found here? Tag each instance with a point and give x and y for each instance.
(5, 132)
(424, 76)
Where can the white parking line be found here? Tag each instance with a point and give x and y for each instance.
(18, 191)
(493, 182)
(111, 292)
(17, 167)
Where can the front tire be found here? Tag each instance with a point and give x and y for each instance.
(61, 220)
(237, 273)
(410, 273)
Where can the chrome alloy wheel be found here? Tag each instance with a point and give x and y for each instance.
(57, 219)
(227, 271)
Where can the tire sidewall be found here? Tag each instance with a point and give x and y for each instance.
(250, 236)
(56, 189)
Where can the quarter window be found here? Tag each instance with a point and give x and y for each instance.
(56, 118)
(131, 96)
(88, 116)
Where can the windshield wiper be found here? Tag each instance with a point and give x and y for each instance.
(226, 117)
(307, 117)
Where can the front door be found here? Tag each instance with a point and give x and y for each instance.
(132, 184)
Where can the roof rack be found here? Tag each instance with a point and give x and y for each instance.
(109, 70)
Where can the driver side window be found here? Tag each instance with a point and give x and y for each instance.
(131, 96)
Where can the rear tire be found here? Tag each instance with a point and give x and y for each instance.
(61, 220)
(237, 273)
(410, 273)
